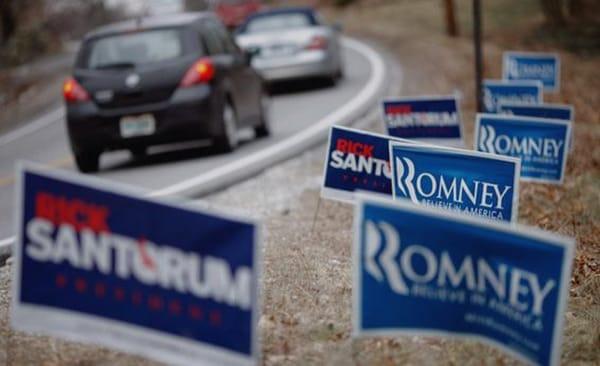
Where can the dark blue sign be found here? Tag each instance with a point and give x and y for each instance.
(456, 180)
(554, 111)
(356, 160)
(421, 271)
(539, 142)
(544, 67)
(496, 92)
(427, 118)
(105, 265)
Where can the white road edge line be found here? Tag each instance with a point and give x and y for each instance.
(41, 122)
(282, 150)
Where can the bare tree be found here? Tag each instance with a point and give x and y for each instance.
(554, 11)
(451, 25)
(8, 21)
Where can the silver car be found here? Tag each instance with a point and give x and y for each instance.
(291, 43)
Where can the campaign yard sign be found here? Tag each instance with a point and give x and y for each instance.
(434, 119)
(539, 142)
(421, 271)
(496, 92)
(97, 263)
(456, 180)
(533, 66)
(356, 160)
(553, 111)
(542, 110)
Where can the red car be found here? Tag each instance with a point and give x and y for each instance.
(234, 12)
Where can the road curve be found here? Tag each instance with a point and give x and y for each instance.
(300, 117)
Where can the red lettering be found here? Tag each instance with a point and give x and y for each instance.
(341, 145)
(96, 218)
(146, 259)
(75, 212)
(398, 109)
(368, 150)
(44, 207)
(355, 148)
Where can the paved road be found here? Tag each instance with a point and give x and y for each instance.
(294, 107)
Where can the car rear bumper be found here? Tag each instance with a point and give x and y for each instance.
(304, 65)
(187, 115)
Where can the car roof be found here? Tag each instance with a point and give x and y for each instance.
(161, 21)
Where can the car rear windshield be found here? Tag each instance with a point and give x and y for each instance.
(131, 49)
(277, 22)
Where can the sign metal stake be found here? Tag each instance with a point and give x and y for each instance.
(314, 221)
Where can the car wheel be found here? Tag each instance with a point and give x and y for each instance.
(332, 79)
(264, 129)
(339, 74)
(228, 141)
(87, 162)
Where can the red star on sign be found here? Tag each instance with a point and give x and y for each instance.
(100, 289)
(61, 280)
(155, 302)
(215, 317)
(119, 294)
(136, 298)
(80, 285)
(174, 307)
(195, 312)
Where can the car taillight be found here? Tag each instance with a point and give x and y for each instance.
(73, 92)
(202, 71)
(317, 43)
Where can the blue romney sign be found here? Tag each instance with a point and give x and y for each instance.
(542, 110)
(539, 142)
(456, 180)
(429, 118)
(496, 92)
(356, 160)
(421, 271)
(105, 265)
(544, 67)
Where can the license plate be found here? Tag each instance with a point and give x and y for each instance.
(132, 126)
(279, 51)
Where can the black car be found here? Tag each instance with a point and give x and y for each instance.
(160, 80)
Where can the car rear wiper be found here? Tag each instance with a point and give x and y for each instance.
(116, 65)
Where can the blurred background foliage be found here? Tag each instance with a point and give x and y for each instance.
(31, 28)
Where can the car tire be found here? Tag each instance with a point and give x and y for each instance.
(228, 141)
(332, 79)
(339, 75)
(87, 162)
(264, 129)
(336, 77)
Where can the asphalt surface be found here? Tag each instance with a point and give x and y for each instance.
(294, 106)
